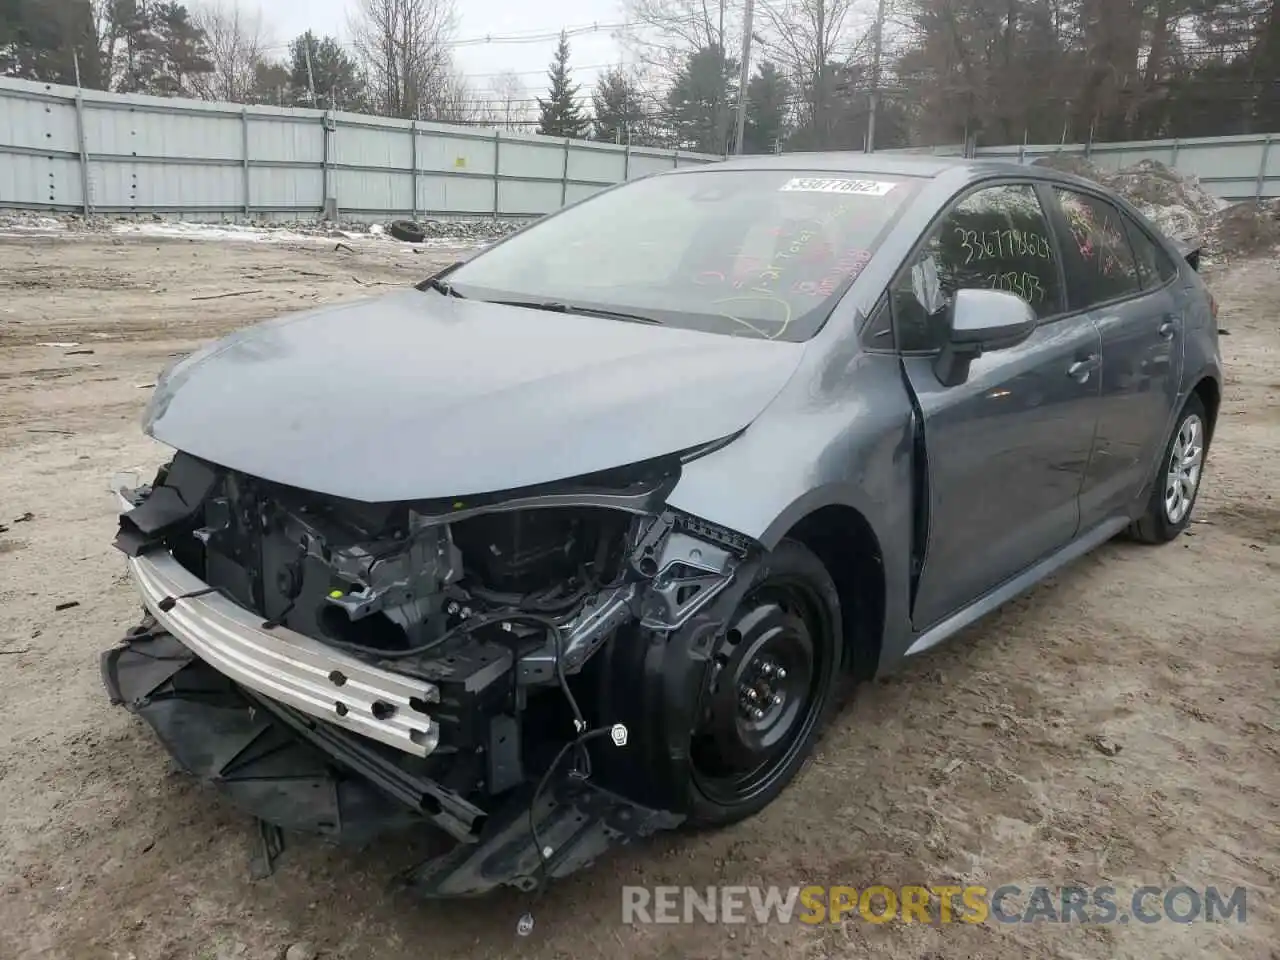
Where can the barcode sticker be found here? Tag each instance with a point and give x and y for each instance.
(874, 188)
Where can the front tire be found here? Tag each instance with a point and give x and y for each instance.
(1177, 485)
(683, 696)
(768, 689)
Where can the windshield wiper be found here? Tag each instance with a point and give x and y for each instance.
(558, 306)
(445, 287)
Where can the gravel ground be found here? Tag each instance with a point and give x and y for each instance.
(980, 762)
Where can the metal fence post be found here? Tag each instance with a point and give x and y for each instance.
(84, 155)
(497, 169)
(324, 163)
(244, 157)
(626, 162)
(675, 157)
(413, 161)
(1262, 166)
(564, 176)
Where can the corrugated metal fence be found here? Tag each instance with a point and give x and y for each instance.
(63, 149)
(1233, 168)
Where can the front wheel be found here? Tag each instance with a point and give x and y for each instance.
(768, 687)
(1177, 484)
(723, 712)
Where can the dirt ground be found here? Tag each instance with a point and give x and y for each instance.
(977, 763)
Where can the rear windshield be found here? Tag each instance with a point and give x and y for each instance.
(759, 253)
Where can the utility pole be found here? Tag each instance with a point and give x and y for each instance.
(745, 77)
(311, 78)
(878, 48)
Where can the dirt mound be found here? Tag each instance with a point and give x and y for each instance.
(1245, 229)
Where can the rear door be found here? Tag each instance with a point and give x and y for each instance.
(1007, 449)
(1127, 282)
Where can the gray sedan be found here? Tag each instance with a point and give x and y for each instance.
(575, 541)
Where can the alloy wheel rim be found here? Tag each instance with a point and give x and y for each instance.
(1186, 461)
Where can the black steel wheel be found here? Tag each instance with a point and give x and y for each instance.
(768, 687)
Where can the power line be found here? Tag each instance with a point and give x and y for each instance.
(487, 39)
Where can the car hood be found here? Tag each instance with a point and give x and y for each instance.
(415, 395)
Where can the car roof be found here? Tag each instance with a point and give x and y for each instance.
(894, 164)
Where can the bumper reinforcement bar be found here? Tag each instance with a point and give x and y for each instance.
(284, 665)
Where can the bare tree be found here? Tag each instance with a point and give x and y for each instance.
(403, 47)
(236, 40)
(454, 101)
(663, 33)
(810, 39)
(510, 101)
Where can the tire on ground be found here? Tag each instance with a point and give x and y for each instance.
(1154, 526)
(407, 231)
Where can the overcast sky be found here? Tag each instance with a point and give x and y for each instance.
(589, 52)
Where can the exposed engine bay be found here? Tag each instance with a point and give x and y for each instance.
(426, 661)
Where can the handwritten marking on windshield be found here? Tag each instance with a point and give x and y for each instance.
(763, 298)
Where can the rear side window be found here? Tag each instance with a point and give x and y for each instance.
(1099, 259)
(1155, 269)
(996, 238)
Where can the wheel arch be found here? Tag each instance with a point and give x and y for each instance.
(846, 543)
(1209, 391)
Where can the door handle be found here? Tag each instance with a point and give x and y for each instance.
(1081, 369)
(1168, 328)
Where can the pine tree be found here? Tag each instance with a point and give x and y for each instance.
(616, 102)
(561, 114)
(768, 94)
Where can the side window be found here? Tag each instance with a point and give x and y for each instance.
(1154, 266)
(1099, 258)
(995, 238)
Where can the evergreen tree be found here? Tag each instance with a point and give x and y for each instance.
(561, 114)
(768, 95)
(618, 116)
(44, 39)
(700, 100)
(337, 76)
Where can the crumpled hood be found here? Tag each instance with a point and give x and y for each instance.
(414, 395)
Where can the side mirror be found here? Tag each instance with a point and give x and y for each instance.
(981, 320)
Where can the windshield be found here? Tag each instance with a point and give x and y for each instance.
(760, 253)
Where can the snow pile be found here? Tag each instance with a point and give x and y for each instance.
(469, 232)
(1175, 202)
(1151, 186)
(187, 230)
(1182, 208)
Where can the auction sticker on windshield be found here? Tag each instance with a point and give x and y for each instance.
(875, 188)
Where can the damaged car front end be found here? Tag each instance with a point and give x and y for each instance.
(349, 669)
(509, 554)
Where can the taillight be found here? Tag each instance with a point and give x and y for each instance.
(1213, 308)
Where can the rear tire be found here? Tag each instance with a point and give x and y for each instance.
(1177, 482)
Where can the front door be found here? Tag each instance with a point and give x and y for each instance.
(1007, 449)
(1129, 284)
